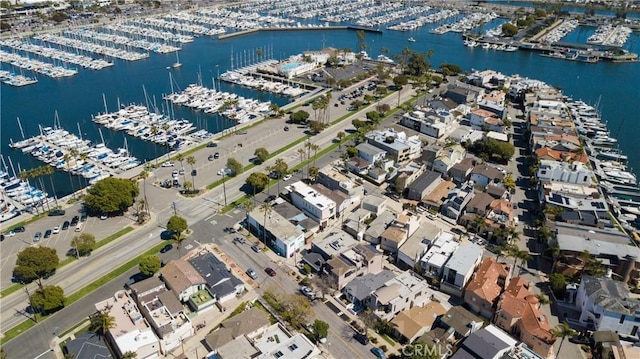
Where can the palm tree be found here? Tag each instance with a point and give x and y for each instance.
(178, 238)
(308, 145)
(144, 174)
(154, 133)
(67, 158)
(83, 157)
(512, 234)
(188, 186)
(301, 154)
(480, 223)
(553, 252)
(180, 158)
(101, 322)
(521, 256)
(49, 171)
(191, 161)
(340, 136)
(315, 149)
(313, 173)
(266, 208)
(562, 330)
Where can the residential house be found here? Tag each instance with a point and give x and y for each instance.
(459, 269)
(480, 204)
(400, 147)
(486, 121)
(374, 204)
(424, 184)
(487, 343)
(554, 171)
(399, 231)
(519, 313)
(461, 171)
(433, 261)
(488, 79)
(429, 154)
(379, 225)
(280, 234)
(220, 281)
(86, 345)
(370, 153)
(483, 175)
(447, 158)
(298, 218)
(333, 243)
(459, 323)
(546, 153)
(278, 342)
(436, 198)
(462, 93)
(411, 323)
(360, 260)
(182, 279)
(341, 199)
(314, 260)
(497, 191)
(333, 179)
(433, 123)
(360, 288)
(312, 202)
(466, 134)
(457, 200)
(606, 304)
(408, 174)
(484, 289)
(130, 332)
(230, 340)
(416, 246)
(402, 292)
(494, 102)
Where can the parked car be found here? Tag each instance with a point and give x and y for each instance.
(378, 353)
(78, 227)
(210, 158)
(361, 338)
(103, 216)
(57, 212)
(286, 178)
(75, 220)
(256, 248)
(194, 172)
(212, 144)
(167, 164)
(216, 155)
(56, 229)
(19, 229)
(9, 234)
(270, 198)
(37, 236)
(308, 292)
(251, 273)
(286, 128)
(65, 225)
(47, 233)
(270, 271)
(166, 248)
(241, 132)
(83, 216)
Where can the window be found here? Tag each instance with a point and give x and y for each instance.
(622, 318)
(278, 354)
(293, 347)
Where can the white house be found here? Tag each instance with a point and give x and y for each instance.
(554, 171)
(397, 144)
(312, 202)
(370, 153)
(433, 262)
(130, 332)
(282, 235)
(400, 293)
(606, 304)
(432, 124)
(459, 269)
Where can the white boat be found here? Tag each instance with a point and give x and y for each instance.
(177, 63)
(411, 39)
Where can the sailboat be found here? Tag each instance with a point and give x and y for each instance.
(177, 63)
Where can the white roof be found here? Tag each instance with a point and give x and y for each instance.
(463, 260)
(312, 196)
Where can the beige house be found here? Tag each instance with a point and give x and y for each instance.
(182, 279)
(412, 323)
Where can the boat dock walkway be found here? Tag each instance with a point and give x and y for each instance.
(296, 28)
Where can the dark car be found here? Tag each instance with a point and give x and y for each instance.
(378, 353)
(83, 216)
(361, 338)
(270, 198)
(75, 220)
(47, 233)
(270, 271)
(194, 172)
(19, 229)
(286, 128)
(256, 248)
(166, 248)
(216, 155)
(210, 158)
(65, 225)
(57, 212)
(212, 144)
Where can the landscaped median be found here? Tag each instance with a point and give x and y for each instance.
(15, 287)
(25, 325)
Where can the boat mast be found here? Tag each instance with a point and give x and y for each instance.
(20, 126)
(12, 169)
(101, 137)
(104, 101)
(79, 131)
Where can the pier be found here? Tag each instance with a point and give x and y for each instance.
(297, 28)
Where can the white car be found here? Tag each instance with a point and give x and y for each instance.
(167, 164)
(56, 229)
(10, 234)
(286, 178)
(226, 171)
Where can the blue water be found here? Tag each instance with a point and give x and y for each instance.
(290, 65)
(573, 9)
(80, 96)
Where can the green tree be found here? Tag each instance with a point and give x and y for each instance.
(352, 152)
(35, 263)
(450, 69)
(399, 81)
(84, 244)
(340, 136)
(177, 224)
(180, 158)
(149, 264)
(258, 181)
(562, 331)
(316, 126)
(313, 173)
(509, 29)
(509, 182)
(234, 166)
(299, 117)
(558, 284)
(320, 329)
(266, 209)
(100, 322)
(111, 195)
(129, 355)
(280, 168)
(261, 154)
(48, 299)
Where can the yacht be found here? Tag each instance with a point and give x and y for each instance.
(411, 39)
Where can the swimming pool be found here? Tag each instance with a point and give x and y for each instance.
(290, 66)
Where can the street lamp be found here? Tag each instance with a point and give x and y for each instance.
(224, 188)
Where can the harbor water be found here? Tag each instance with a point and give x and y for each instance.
(614, 87)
